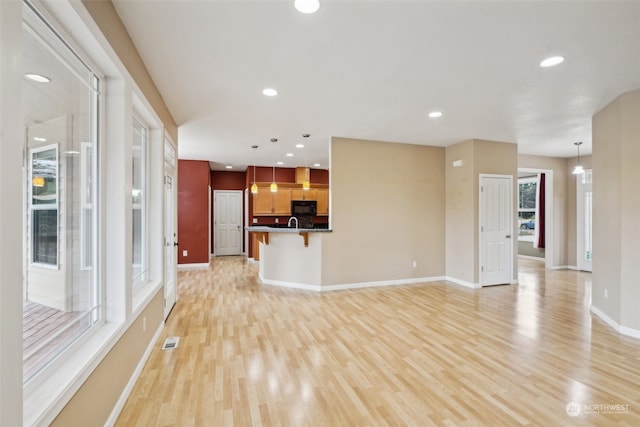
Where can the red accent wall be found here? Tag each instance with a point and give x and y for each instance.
(193, 211)
(226, 180)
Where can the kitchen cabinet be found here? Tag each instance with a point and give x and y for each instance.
(322, 196)
(282, 202)
(267, 203)
(300, 194)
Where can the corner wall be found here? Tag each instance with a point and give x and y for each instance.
(616, 234)
(193, 211)
(387, 210)
(462, 202)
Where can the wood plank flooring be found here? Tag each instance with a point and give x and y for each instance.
(419, 355)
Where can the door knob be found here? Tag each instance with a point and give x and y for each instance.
(175, 243)
(508, 236)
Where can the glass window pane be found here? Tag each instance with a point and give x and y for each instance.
(139, 204)
(60, 117)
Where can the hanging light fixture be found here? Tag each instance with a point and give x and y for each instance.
(274, 186)
(578, 170)
(306, 184)
(254, 186)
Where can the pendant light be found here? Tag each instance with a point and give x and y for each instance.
(306, 184)
(578, 170)
(254, 186)
(274, 186)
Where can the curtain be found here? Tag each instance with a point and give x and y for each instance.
(538, 237)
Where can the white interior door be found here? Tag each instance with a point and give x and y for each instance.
(496, 229)
(584, 208)
(228, 222)
(170, 237)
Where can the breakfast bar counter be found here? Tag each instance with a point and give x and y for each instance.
(290, 257)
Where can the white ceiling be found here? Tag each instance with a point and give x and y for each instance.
(375, 69)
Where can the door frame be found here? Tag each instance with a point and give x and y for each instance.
(510, 220)
(549, 249)
(581, 264)
(240, 194)
(170, 169)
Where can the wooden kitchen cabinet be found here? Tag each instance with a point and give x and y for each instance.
(300, 194)
(263, 202)
(322, 196)
(282, 202)
(267, 203)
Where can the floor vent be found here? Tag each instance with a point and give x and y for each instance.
(171, 343)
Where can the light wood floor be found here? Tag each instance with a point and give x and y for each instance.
(428, 354)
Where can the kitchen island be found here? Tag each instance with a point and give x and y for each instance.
(290, 257)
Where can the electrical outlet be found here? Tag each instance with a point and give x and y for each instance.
(606, 293)
(277, 220)
(185, 253)
(255, 220)
(415, 264)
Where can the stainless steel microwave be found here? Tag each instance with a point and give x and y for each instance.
(304, 207)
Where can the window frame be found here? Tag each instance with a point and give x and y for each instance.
(44, 206)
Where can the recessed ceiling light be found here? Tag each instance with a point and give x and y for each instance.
(435, 114)
(289, 154)
(299, 145)
(307, 6)
(37, 78)
(229, 166)
(280, 163)
(269, 92)
(316, 165)
(551, 61)
(40, 139)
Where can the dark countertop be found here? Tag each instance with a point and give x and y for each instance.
(269, 229)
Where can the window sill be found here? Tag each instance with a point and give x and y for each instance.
(144, 296)
(48, 392)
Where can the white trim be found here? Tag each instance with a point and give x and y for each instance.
(359, 285)
(463, 283)
(549, 230)
(623, 330)
(115, 412)
(573, 267)
(193, 266)
(559, 267)
(252, 260)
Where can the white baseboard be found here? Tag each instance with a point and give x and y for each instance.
(358, 285)
(558, 267)
(624, 330)
(462, 282)
(252, 260)
(193, 266)
(115, 412)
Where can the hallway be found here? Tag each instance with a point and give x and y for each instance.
(427, 354)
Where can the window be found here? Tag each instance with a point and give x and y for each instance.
(527, 187)
(140, 260)
(43, 209)
(61, 294)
